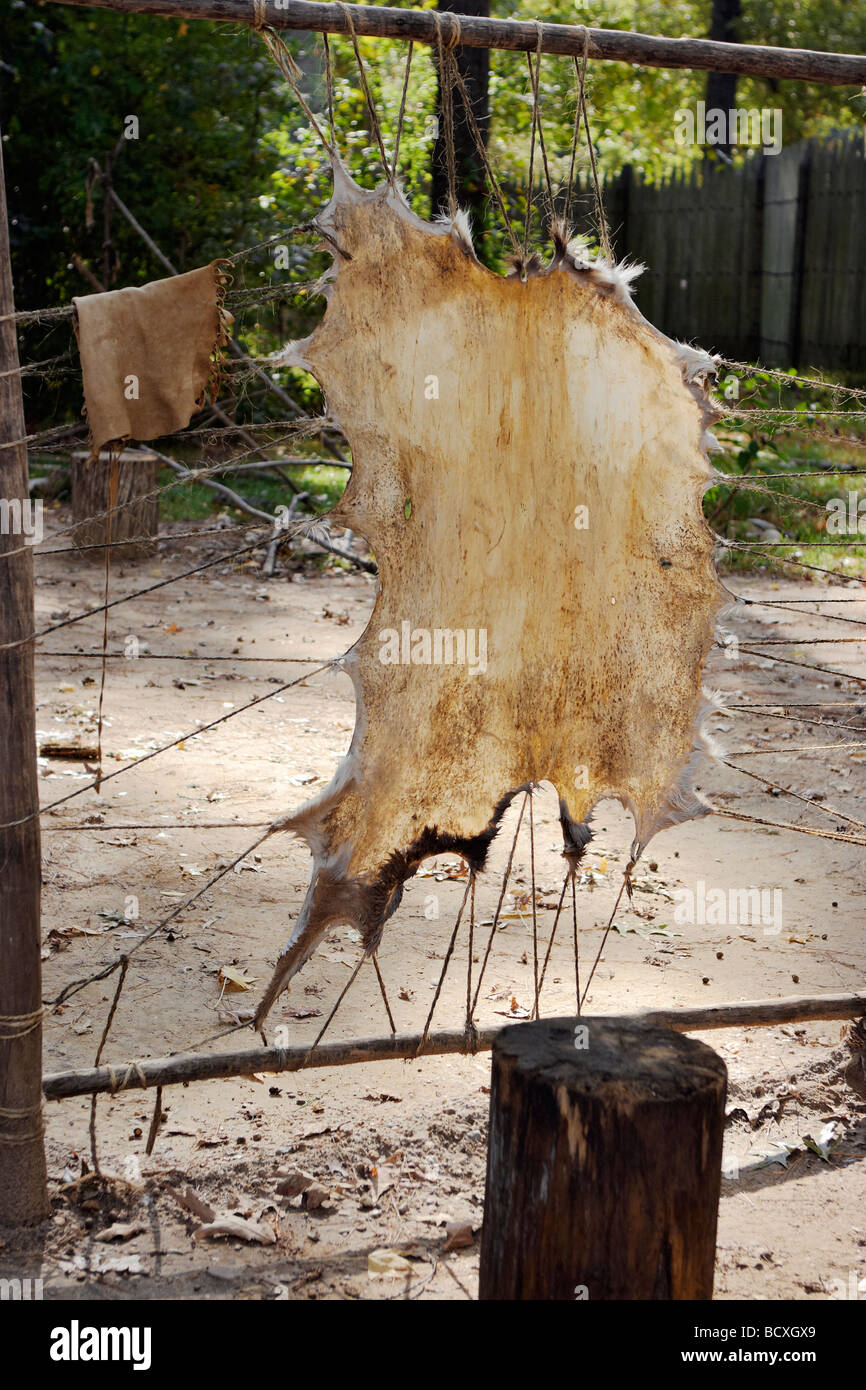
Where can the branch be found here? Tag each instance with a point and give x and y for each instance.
(647, 50)
(368, 566)
(210, 1066)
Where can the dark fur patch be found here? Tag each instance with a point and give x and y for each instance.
(383, 895)
(576, 836)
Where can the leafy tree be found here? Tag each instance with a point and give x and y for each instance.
(225, 157)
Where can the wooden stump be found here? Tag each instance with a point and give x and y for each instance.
(604, 1163)
(138, 514)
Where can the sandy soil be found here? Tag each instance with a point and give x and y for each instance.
(400, 1147)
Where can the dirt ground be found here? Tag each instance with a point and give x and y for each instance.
(397, 1150)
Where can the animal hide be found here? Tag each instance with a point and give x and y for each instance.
(150, 354)
(528, 469)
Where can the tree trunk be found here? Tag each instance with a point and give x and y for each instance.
(722, 86)
(138, 515)
(473, 64)
(603, 1163)
(23, 1191)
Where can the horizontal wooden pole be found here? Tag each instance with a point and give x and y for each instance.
(648, 50)
(212, 1066)
(760, 1013)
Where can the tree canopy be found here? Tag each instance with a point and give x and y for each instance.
(224, 156)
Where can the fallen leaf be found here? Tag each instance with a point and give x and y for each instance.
(114, 916)
(782, 1153)
(236, 1015)
(121, 1230)
(191, 1201)
(71, 752)
(121, 1264)
(236, 1228)
(516, 1011)
(825, 1143)
(294, 1183)
(315, 1197)
(458, 1235)
(235, 978)
(387, 1264)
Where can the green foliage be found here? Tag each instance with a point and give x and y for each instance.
(193, 501)
(834, 26)
(202, 96)
(785, 467)
(225, 157)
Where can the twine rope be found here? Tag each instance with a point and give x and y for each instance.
(484, 157)
(282, 56)
(12, 1113)
(15, 1026)
(447, 66)
(329, 88)
(402, 112)
(368, 97)
(604, 234)
(116, 1083)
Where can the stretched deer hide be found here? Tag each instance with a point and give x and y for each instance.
(150, 354)
(528, 469)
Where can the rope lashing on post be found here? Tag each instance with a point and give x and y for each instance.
(15, 1026)
(446, 92)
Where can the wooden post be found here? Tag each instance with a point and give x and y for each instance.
(721, 92)
(473, 64)
(23, 1189)
(799, 266)
(603, 1164)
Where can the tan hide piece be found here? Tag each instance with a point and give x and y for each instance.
(150, 354)
(528, 469)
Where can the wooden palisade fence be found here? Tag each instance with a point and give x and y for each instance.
(760, 261)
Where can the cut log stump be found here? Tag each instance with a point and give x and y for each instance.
(604, 1163)
(137, 515)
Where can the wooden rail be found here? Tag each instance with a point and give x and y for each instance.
(380, 21)
(210, 1066)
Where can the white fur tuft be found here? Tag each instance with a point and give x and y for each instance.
(617, 279)
(459, 227)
